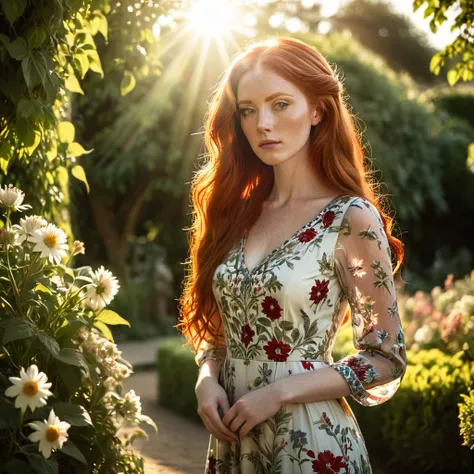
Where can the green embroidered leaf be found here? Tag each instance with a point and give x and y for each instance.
(295, 334)
(286, 325)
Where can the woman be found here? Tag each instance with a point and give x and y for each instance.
(288, 240)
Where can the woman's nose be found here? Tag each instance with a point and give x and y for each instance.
(265, 122)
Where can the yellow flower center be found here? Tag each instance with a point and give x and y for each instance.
(52, 434)
(50, 241)
(99, 289)
(30, 388)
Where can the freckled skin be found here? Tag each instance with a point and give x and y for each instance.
(290, 123)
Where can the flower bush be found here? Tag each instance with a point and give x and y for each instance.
(62, 401)
(443, 318)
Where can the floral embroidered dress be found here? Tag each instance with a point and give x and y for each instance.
(282, 318)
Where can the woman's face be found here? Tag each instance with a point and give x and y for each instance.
(272, 108)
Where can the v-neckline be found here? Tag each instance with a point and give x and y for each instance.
(243, 240)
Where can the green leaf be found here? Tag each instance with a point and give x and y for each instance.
(72, 450)
(9, 416)
(94, 24)
(436, 63)
(43, 289)
(26, 131)
(35, 68)
(111, 317)
(74, 414)
(51, 85)
(453, 76)
(79, 173)
(264, 322)
(103, 28)
(36, 141)
(35, 37)
(13, 9)
(128, 83)
(25, 108)
(42, 465)
(286, 325)
(66, 132)
(82, 63)
(49, 343)
(94, 61)
(104, 329)
(70, 356)
(72, 84)
(16, 466)
(76, 149)
(17, 49)
(470, 157)
(4, 165)
(16, 329)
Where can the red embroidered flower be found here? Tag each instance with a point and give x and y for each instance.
(307, 236)
(271, 308)
(360, 368)
(310, 453)
(247, 335)
(327, 420)
(327, 463)
(328, 218)
(277, 350)
(307, 365)
(319, 291)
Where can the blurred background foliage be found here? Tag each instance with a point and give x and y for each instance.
(133, 82)
(113, 94)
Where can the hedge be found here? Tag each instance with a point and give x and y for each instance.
(417, 431)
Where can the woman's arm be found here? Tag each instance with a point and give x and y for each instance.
(363, 267)
(212, 351)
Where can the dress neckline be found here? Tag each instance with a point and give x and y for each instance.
(243, 240)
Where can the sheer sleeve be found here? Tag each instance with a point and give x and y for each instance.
(212, 347)
(364, 270)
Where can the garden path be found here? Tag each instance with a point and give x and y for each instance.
(180, 445)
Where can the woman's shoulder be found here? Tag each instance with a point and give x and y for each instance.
(363, 211)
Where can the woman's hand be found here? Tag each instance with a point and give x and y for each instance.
(253, 408)
(210, 395)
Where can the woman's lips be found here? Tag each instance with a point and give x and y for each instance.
(270, 145)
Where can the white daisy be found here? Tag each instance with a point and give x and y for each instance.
(28, 225)
(103, 291)
(8, 237)
(12, 198)
(51, 434)
(51, 242)
(30, 389)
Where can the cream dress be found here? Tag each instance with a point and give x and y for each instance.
(282, 318)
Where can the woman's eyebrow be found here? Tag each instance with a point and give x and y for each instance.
(270, 97)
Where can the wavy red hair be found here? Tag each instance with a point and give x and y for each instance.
(228, 191)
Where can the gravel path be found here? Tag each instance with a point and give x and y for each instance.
(180, 445)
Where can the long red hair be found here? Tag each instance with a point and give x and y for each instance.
(228, 191)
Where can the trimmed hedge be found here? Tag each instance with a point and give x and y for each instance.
(418, 430)
(177, 376)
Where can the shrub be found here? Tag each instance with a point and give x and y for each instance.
(466, 415)
(418, 430)
(177, 376)
(443, 319)
(60, 372)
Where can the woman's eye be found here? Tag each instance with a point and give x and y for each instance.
(281, 105)
(245, 112)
